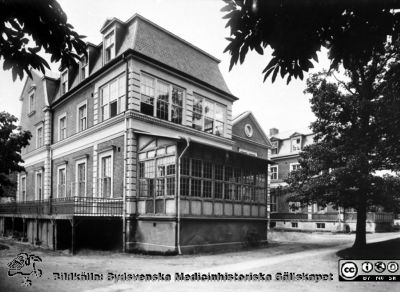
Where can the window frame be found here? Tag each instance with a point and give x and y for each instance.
(293, 164)
(39, 138)
(102, 155)
(23, 188)
(31, 102)
(155, 99)
(121, 106)
(77, 163)
(275, 145)
(292, 145)
(78, 119)
(64, 81)
(110, 47)
(61, 167)
(204, 101)
(277, 172)
(60, 117)
(273, 202)
(84, 72)
(37, 173)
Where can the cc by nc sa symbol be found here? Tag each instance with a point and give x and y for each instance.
(349, 270)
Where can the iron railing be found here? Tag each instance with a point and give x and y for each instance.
(78, 206)
(289, 216)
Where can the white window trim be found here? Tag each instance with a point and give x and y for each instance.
(78, 162)
(23, 187)
(64, 72)
(35, 183)
(77, 116)
(30, 109)
(294, 139)
(85, 67)
(277, 172)
(291, 166)
(276, 203)
(64, 166)
(64, 115)
(248, 152)
(100, 160)
(108, 84)
(37, 136)
(113, 43)
(170, 88)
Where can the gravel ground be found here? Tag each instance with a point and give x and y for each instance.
(287, 252)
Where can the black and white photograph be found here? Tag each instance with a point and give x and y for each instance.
(199, 145)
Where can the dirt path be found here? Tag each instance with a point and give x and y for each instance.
(310, 254)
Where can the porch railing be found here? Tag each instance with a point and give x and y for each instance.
(78, 206)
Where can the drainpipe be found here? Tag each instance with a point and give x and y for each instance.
(178, 199)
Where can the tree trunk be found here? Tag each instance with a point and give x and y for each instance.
(361, 240)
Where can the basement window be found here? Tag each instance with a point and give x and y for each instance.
(295, 225)
(320, 225)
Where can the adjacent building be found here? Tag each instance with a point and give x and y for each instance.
(285, 152)
(136, 148)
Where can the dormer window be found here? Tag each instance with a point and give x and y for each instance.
(274, 149)
(64, 82)
(109, 46)
(84, 68)
(296, 144)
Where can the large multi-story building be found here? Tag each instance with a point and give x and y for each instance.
(285, 152)
(136, 148)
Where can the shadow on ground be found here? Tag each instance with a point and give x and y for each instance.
(389, 249)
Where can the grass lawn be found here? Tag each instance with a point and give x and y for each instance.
(389, 249)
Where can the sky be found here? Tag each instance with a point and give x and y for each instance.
(199, 22)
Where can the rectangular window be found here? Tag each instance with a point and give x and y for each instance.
(64, 82)
(31, 103)
(274, 149)
(80, 183)
(106, 176)
(208, 116)
(82, 117)
(295, 225)
(109, 47)
(84, 68)
(62, 127)
(273, 203)
(112, 98)
(274, 172)
(61, 181)
(296, 144)
(294, 207)
(38, 186)
(39, 137)
(161, 99)
(294, 166)
(320, 225)
(23, 188)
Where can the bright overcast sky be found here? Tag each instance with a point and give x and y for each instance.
(199, 22)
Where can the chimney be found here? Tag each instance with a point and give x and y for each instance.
(273, 131)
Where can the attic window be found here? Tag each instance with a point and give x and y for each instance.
(274, 149)
(296, 144)
(109, 47)
(31, 104)
(84, 68)
(64, 82)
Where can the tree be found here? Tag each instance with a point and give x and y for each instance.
(12, 140)
(26, 27)
(357, 131)
(296, 30)
(357, 127)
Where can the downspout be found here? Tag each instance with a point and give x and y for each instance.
(124, 172)
(178, 200)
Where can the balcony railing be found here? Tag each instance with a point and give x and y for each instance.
(78, 206)
(377, 217)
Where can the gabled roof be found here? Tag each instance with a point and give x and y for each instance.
(250, 115)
